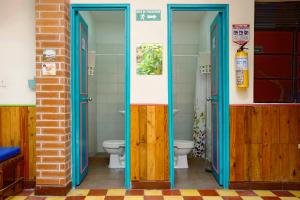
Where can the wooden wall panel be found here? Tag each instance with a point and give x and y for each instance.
(17, 128)
(264, 143)
(149, 143)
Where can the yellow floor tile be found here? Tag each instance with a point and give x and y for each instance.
(94, 198)
(251, 198)
(189, 193)
(55, 198)
(133, 197)
(16, 198)
(173, 198)
(295, 192)
(227, 193)
(78, 192)
(264, 193)
(212, 198)
(152, 193)
(116, 192)
(289, 198)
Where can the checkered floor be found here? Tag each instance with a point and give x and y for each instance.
(121, 194)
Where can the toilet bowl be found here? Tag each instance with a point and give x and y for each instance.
(115, 149)
(181, 149)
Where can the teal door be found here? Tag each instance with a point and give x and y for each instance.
(216, 94)
(81, 99)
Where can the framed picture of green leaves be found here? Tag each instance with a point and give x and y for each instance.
(149, 59)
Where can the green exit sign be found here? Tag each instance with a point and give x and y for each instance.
(148, 15)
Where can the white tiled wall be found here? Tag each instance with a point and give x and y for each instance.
(106, 87)
(184, 69)
(110, 93)
(185, 42)
(190, 38)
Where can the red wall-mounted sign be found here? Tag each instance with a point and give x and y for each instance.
(240, 33)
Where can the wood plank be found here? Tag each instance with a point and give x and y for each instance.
(255, 125)
(270, 124)
(143, 142)
(288, 126)
(294, 162)
(5, 127)
(255, 162)
(134, 143)
(16, 130)
(266, 162)
(160, 147)
(275, 160)
(151, 143)
(238, 125)
(284, 163)
(238, 157)
(166, 141)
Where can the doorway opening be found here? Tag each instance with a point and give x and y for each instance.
(198, 96)
(100, 96)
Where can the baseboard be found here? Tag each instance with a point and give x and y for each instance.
(264, 185)
(29, 184)
(150, 184)
(49, 190)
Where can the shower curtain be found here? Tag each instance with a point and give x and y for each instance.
(199, 126)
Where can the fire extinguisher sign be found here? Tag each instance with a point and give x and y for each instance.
(240, 33)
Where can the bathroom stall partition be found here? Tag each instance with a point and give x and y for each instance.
(149, 146)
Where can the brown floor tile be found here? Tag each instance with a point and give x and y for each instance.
(192, 198)
(75, 198)
(208, 193)
(95, 192)
(271, 198)
(135, 192)
(153, 198)
(282, 193)
(114, 198)
(25, 192)
(232, 198)
(246, 193)
(171, 192)
(35, 198)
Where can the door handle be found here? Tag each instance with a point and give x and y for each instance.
(90, 99)
(213, 98)
(208, 99)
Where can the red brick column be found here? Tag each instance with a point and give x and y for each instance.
(53, 141)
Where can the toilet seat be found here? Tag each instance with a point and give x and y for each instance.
(182, 144)
(113, 143)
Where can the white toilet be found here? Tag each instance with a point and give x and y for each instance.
(115, 148)
(181, 149)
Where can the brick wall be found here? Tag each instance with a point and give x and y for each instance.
(53, 162)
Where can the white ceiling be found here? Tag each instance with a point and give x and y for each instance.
(108, 16)
(188, 16)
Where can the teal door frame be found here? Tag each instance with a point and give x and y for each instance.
(74, 9)
(223, 9)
